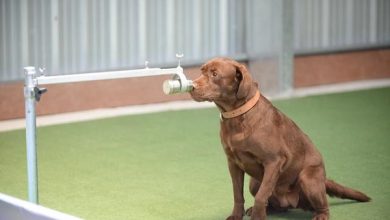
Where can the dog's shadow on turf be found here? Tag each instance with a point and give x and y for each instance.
(293, 214)
(342, 202)
(301, 214)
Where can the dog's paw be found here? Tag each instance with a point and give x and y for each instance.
(232, 217)
(323, 216)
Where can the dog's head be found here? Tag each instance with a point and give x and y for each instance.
(222, 80)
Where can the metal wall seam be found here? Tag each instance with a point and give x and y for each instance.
(142, 36)
(223, 27)
(3, 62)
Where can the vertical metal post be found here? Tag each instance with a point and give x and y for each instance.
(29, 96)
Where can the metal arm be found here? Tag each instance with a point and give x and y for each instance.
(177, 72)
(104, 75)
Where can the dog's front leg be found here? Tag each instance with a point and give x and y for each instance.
(270, 177)
(237, 176)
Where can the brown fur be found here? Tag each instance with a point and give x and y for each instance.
(286, 169)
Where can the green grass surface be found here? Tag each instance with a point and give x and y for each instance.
(171, 165)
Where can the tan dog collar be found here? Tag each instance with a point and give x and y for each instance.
(242, 109)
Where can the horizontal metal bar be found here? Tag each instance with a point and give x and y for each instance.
(41, 80)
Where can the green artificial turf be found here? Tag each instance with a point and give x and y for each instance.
(171, 165)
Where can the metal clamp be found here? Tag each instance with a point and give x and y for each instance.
(31, 89)
(179, 83)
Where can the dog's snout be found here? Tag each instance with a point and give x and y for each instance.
(194, 85)
(198, 82)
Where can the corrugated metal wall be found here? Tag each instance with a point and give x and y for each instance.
(72, 36)
(263, 28)
(69, 36)
(269, 43)
(334, 25)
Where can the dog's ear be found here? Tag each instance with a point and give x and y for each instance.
(244, 79)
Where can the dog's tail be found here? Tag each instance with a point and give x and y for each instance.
(337, 190)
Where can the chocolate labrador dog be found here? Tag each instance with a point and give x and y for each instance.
(286, 169)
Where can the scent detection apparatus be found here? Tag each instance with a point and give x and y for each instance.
(33, 92)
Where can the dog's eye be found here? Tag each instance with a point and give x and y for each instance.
(214, 74)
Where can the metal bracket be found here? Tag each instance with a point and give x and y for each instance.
(179, 82)
(31, 89)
